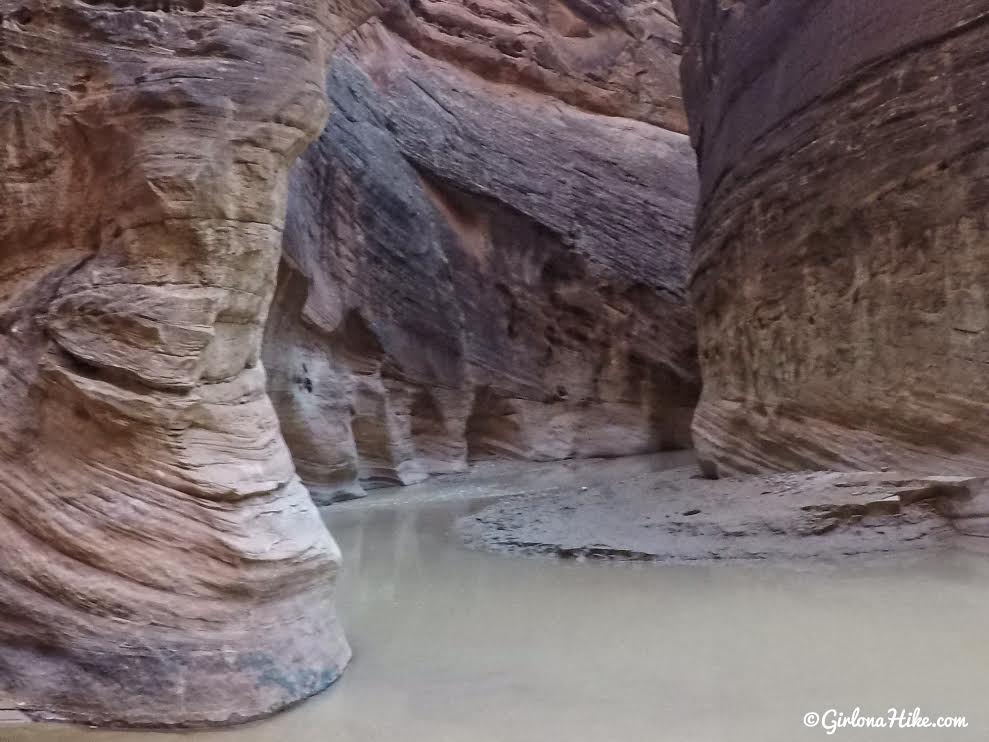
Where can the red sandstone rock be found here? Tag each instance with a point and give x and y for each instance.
(162, 563)
(486, 255)
(840, 261)
(478, 262)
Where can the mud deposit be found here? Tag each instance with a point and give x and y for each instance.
(459, 645)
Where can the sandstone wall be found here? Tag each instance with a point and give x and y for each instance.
(486, 250)
(162, 563)
(840, 264)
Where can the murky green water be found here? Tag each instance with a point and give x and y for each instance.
(458, 646)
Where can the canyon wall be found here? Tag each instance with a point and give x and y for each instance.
(840, 264)
(162, 563)
(486, 250)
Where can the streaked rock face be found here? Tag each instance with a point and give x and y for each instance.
(841, 257)
(479, 262)
(162, 563)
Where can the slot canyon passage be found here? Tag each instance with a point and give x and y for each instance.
(631, 348)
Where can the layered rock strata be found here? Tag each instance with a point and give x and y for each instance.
(840, 261)
(486, 249)
(162, 563)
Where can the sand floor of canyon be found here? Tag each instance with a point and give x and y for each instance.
(460, 644)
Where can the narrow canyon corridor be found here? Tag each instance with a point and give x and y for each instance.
(494, 370)
(454, 645)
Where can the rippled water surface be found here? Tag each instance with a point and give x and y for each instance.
(458, 646)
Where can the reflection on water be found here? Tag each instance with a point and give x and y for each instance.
(458, 646)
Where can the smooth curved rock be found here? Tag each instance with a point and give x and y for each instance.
(841, 258)
(162, 563)
(478, 266)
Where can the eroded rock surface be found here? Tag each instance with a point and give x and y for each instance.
(479, 261)
(840, 267)
(162, 563)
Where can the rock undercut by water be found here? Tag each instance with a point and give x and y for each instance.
(162, 564)
(486, 251)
